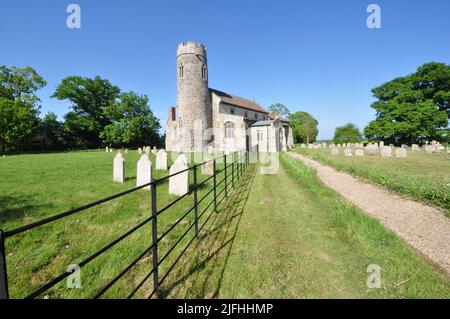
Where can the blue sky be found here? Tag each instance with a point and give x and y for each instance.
(314, 56)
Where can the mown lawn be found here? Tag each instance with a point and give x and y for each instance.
(287, 236)
(37, 186)
(422, 176)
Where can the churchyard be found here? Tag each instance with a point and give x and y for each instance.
(34, 187)
(419, 174)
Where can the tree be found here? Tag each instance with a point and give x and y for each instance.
(348, 133)
(304, 127)
(50, 134)
(413, 108)
(132, 122)
(90, 98)
(19, 107)
(279, 109)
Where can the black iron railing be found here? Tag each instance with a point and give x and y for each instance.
(237, 171)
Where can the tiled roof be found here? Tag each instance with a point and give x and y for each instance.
(239, 101)
(282, 119)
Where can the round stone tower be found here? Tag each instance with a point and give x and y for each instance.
(193, 98)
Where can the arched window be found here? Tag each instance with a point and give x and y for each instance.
(229, 130)
(180, 71)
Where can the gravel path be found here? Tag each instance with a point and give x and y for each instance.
(423, 227)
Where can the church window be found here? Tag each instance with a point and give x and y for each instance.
(204, 73)
(180, 71)
(229, 130)
(259, 136)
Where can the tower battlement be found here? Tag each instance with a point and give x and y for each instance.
(191, 47)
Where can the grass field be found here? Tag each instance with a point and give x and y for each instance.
(38, 186)
(288, 236)
(422, 176)
(280, 236)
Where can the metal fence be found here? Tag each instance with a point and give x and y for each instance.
(233, 172)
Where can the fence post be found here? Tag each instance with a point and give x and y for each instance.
(225, 178)
(232, 170)
(195, 201)
(154, 238)
(215, 182)
(3, 274)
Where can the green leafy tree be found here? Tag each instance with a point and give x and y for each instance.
(49, 135)
(304, 127)
(132, 122)
(348, 133)
(279, 109)
(413, 108)
(19, 107)
(91, 98)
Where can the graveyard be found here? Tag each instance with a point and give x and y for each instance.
(38, 186)
(421, 175)
(233, 258)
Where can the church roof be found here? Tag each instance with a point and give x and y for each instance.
(263, 123)
(239, 101)
(282, 119)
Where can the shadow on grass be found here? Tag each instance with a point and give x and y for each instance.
(16, 208)
(201, 270)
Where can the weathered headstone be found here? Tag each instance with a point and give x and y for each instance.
(359, 153)
(415, 148)
(140, 151)
(179, 184)
(144, 171)
(335, 151)
(154, 150)
(338, 145)
(371, 149)
(348, 152)
(208, 166)
(386, 151)
(381, 144)
(106, 149)
(161, 160)
(302, 145)
(119, 168)
(400, 152)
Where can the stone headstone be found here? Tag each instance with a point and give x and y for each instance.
(415, 148)
(182, 157)
(338, 145)
(147, 150)
(144, 171)
(111, 150)
(140, 151)
(154, 150)
(126, 151)
(208, 166)
(386, 151)
(106, 149)
(400, 152)
(161, 160)
(359, 153)
(335, 151)
(381, 144)
(348, 152)
(302, 145)
(178, 184)
(119, 168)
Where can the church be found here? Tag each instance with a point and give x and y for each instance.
(207, 119)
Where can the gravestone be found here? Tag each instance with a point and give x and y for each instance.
(359, 153)
(302, 145)
(140, 151)
(348, 152)
(183, 157)
(179, 184)
(381, 144)
(161, 160)
(335, 151)
(126, 151)
(208, 167)
(386, 151)
(147, 150)
(415, 148)
(154, 150)
(338, 145)
(400, 152)
(106, 149)
(119, 168)
(111, 150)
(144, 171)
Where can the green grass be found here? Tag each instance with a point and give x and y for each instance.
(422, 176)
(38, 186)
(288, 236)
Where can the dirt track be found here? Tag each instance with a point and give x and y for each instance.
(423, 227)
